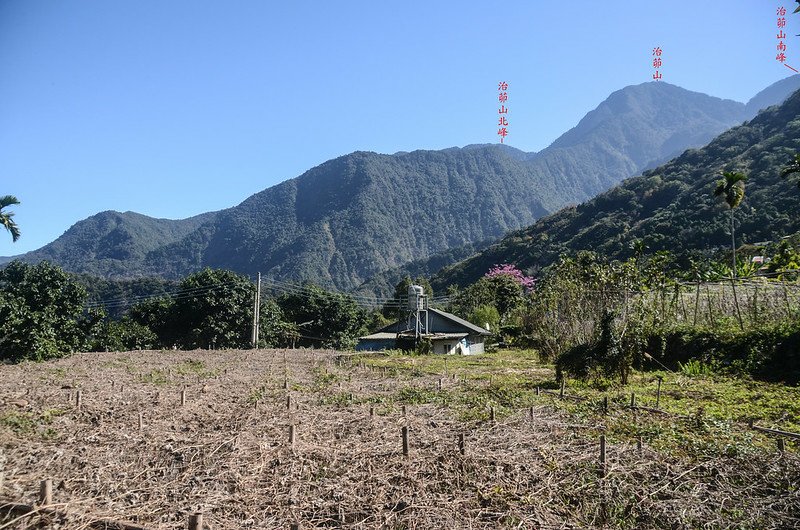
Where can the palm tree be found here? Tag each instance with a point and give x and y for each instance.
(792, 168)
(6, 219)
(731, 189)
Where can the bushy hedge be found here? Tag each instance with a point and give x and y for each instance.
(771, 352)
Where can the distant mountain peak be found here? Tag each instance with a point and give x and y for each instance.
(670, 207)
(628, 107)
(359, 214)
(775, 94)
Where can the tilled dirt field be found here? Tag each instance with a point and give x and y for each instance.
(226, 453)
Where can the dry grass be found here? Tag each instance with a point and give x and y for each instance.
(226, 453)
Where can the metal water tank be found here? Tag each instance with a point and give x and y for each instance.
(415, 294)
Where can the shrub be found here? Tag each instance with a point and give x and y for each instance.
(603, 357)
(124, 335)
(770, 353)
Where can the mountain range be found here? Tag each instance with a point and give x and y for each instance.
(671, 207)
(363, 214)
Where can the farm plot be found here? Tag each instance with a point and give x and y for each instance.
(315, 439)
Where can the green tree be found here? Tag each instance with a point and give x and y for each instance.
(465, 301)
(156, 314)
(330, 320)
(7, 218)
(508, 294)
(376, 320)
(213, 308)
(785, 260)
(41, 312)
(123, 335)
(486, 316)
(731, 189)
(502, 291)
(792, 168)
(274, 331)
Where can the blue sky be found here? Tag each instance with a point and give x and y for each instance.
(176, 108)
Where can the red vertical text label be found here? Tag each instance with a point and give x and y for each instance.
(781, 49)
(780, 56)
(657, 62)
(502, 122)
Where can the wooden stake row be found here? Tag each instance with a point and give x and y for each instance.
(781, 442)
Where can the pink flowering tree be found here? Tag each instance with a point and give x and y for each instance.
(508, 286)
(506, 269)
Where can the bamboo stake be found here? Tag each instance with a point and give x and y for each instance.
(708, 306)
(196, 521)
(786, 298)
(46, 492)
(736, 303)
(602, 455)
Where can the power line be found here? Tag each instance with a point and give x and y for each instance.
(174, 295)
(275, 285)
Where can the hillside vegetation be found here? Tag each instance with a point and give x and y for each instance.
(357, 216)
(111, 244)
(671, 207)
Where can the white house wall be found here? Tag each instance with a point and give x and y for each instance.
(476, 348)
(467, 346)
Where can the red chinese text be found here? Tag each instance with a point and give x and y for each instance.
(502, 122)
(657, 63)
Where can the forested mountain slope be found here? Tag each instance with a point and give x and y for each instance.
(631, 130)
(671, 207)
(363, 213)
(359, 215)
(109, 243)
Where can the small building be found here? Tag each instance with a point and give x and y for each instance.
(449, 334)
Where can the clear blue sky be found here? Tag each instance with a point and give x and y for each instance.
(174, 108)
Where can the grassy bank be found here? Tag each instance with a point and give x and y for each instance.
(708, 412)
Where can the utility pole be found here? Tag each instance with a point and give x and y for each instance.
(256, 311)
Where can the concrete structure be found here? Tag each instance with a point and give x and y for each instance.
(449, 335)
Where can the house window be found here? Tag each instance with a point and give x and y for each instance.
(446, 348)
